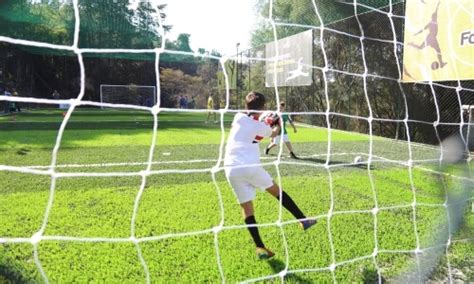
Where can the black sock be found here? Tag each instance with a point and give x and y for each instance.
(291, 206)
(250, 220)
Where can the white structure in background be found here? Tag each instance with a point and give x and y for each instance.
(468, 114)
(128, 95)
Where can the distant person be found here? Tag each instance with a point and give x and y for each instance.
(16, 105)
(149, 102)
(178, 101)
(6, 93)
(276, 140)
(182, 102)
(56, 95)
(210, 109)
(192, 103)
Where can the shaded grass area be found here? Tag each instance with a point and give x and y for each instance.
(90, 138)
(183, 203)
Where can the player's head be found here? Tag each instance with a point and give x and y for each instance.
(255, 101)
(282, 104)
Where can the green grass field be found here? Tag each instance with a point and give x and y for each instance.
(177, 211)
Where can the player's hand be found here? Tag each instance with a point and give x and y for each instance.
(270, 118)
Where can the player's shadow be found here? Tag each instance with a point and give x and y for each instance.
(23, 151)
(332, 162)
(370, 275)
(277, 266)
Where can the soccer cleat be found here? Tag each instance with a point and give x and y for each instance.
(293, 156)
(306, 224)
(263, 253)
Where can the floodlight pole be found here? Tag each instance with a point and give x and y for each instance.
(237, 91)
(248, 62)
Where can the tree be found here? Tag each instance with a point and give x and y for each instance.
(175, 83)
(104, 24)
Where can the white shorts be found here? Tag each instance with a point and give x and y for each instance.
(244, 181)
(276, 139)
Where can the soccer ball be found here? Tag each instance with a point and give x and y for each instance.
(269, 117)
(357, 159)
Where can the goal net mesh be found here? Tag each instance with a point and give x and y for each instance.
(338, 29)
(128, 95)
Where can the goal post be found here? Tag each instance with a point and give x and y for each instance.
(140, 95)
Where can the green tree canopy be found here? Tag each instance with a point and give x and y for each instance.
(103, 24)
(302, 13)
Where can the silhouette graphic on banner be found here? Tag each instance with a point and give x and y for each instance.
(432, 40)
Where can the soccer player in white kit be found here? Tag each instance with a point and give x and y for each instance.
(243, 169)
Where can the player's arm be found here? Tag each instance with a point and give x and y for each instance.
(292, 124)
(268, 130)
(419, 32)
(276, 130)
(424, 28)
(270, 125)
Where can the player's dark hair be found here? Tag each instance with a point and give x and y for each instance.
(282, 104)
(255, 101)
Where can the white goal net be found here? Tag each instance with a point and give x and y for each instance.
(424, 251)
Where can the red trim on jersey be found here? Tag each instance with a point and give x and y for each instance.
(257, 138)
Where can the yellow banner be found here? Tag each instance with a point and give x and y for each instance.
(439, 40)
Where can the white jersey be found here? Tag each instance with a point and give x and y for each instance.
(242, 144)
